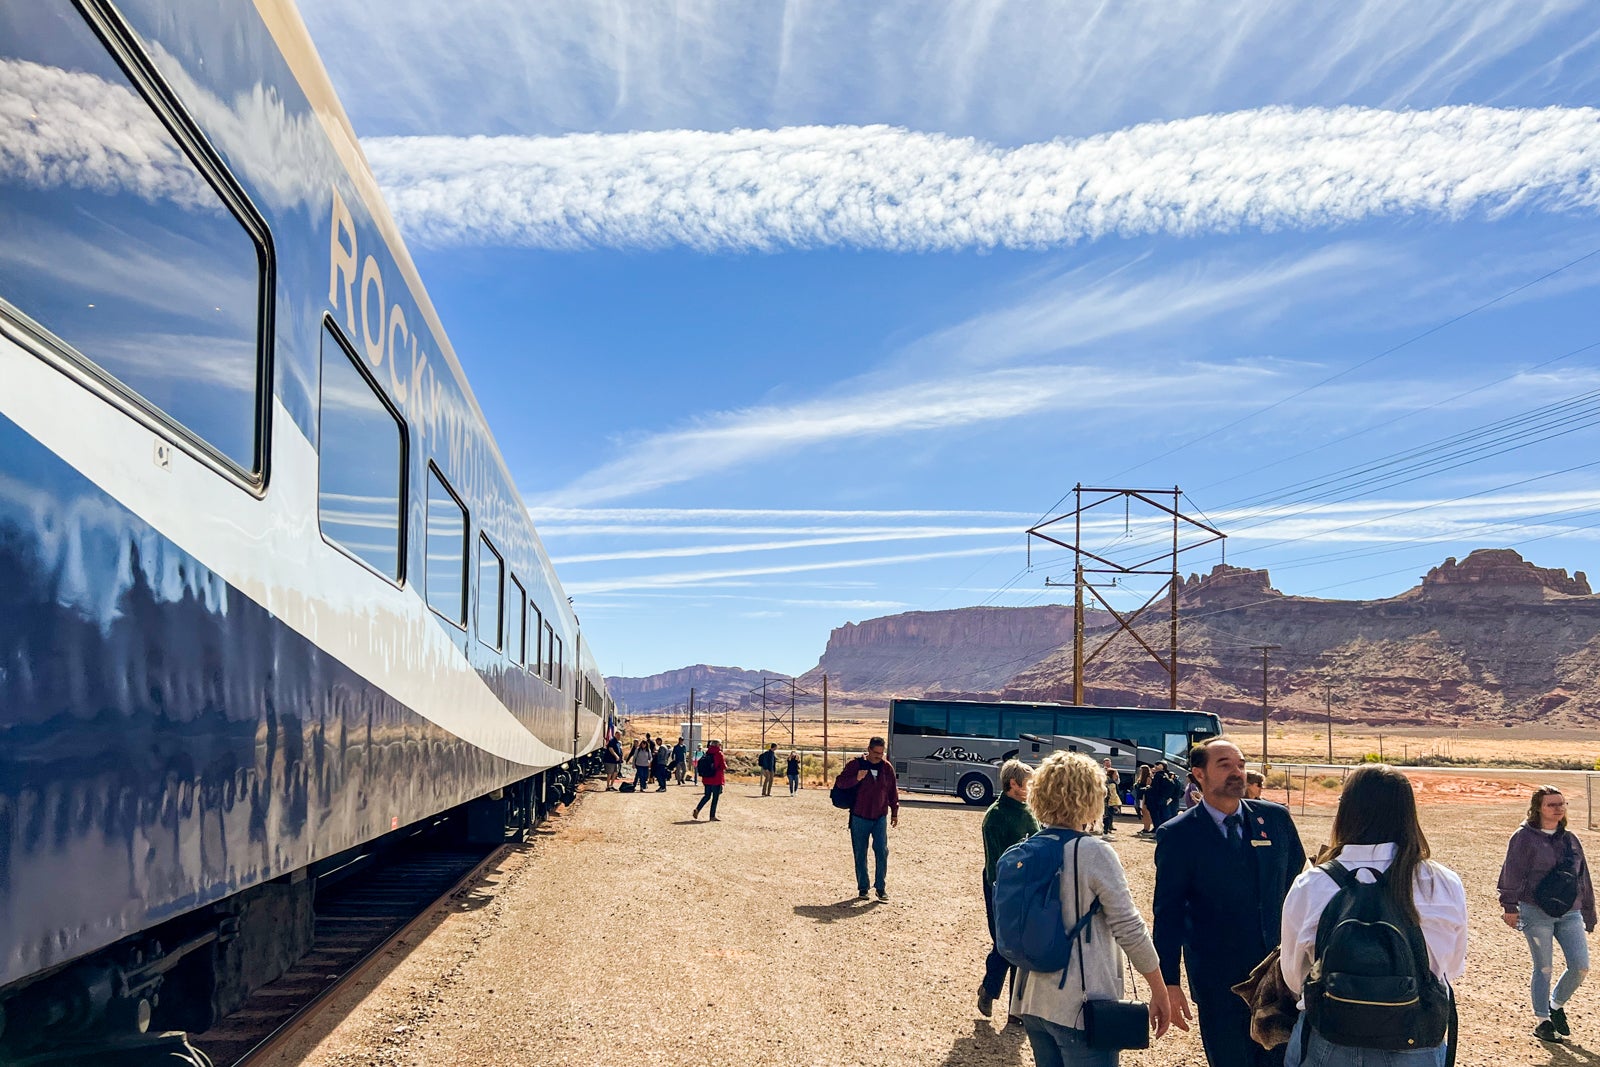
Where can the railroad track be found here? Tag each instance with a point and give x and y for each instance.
(356, 921)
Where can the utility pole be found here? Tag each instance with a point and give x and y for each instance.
(688, 742)
(1328, 691)
(1265, 650)
(763, 712)
(824, 731)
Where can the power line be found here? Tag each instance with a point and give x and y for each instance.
(1429, 332)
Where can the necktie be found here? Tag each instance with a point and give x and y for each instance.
(1234, 826)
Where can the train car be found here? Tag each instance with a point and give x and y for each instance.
(267, 590)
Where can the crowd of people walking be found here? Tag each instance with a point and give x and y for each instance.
(1349, 958)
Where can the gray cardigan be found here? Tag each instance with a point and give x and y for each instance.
(1118, 923)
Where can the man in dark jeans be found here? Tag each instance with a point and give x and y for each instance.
(1007, 821)
(768, 762)
(875, 808)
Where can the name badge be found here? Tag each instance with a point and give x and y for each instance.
(1261, 842)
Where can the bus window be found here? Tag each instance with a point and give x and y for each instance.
(911, 717)
(124, 243)
(974, 722)
(1084, 724)
(1041, 723)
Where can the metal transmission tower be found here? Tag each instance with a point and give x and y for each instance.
(777, 719)
(1187, 534)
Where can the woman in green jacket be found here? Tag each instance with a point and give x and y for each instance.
(1007, 821)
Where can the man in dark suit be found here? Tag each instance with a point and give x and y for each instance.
(1222, 870)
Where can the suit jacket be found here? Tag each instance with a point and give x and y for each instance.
(1199, 911)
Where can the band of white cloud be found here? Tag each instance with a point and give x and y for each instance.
(885, 188)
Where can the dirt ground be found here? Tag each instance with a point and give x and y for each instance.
(628, 933)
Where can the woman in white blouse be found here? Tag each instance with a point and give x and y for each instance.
(1376, 827)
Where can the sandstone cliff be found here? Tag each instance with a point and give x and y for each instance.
(1491, 638)
(729, 684)
(966, 650)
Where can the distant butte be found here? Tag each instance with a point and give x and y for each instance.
(1491, 638)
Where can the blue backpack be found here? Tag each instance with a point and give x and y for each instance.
(1028, 929)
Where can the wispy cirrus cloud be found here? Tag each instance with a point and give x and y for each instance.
(883, 188)
(1006, 69)
(736, 438)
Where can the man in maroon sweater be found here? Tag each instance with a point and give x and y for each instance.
(876, 807)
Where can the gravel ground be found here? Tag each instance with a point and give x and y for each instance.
(628, 933)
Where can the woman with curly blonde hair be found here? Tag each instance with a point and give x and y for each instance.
(1068, 793)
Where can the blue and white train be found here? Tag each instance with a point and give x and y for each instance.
(267, 590)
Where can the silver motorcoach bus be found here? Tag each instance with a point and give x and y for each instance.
(957, 746)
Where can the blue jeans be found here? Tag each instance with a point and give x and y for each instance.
(995, 966)
(1055, 1045)
(1324, 1053)
(1541, 931)
(794, 783)
(878, 831)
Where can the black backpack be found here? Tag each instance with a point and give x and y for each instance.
(1557, 891)
(1369, 985)
(843, 796)
(705, 766)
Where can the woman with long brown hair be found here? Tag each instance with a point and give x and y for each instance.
(1540, 854)
(1376, 829)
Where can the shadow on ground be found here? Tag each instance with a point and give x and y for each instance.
(1570, 1055)
(831, 913)
(987, 1046)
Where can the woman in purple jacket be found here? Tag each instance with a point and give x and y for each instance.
(1542, 844)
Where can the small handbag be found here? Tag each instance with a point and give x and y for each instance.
(1108, 1023)
(1557, 891)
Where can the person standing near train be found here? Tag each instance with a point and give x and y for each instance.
(1546, 892)
(641, 764)
(792, 772)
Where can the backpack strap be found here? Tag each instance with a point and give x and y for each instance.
(1450, 1031)
(1082, 925)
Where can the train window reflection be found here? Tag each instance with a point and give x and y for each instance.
(115, 241)
(447, 550)
(535, 638)
(491, 583)
(360, 462)
(549, 653)
(516, 604)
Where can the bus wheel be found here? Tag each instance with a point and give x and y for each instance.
(975, 789)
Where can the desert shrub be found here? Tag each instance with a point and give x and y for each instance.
(1371, 757)
(1330, 781)
(1278, 780)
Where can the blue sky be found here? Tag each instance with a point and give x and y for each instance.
(793, 314)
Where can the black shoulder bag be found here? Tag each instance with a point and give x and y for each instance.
(1107, 1023)
(1557, 891)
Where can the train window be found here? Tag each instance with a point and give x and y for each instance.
(516, 605)
(360, 462)
(447, 550)
(560, 664)
(491, 585)
(549, 653)
(535, 639)
(127, 248)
